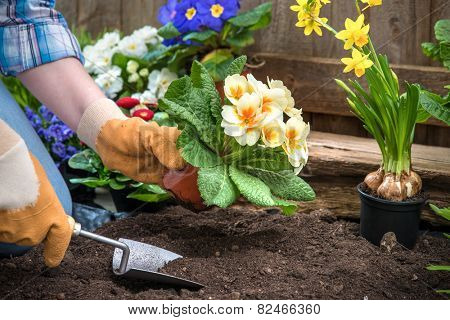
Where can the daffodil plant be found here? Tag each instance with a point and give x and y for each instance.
(388, 114)
(242, 146)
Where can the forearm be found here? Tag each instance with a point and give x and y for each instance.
(64, 87)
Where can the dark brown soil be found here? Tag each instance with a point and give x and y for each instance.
(239, 253)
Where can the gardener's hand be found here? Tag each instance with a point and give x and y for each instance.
(140, 150)
(42, 221)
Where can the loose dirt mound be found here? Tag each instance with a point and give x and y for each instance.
(238, 253)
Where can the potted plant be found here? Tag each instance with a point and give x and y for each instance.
(244, 147)
(391, 197)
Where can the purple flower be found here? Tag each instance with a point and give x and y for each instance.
(59, 149)
(167, 13)
(44, 134)
(71, 150)
(46, 114)
(214, 13)
(60, 132)
(187, 18)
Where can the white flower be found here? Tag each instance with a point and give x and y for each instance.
(235, 87)
(244, 120)
(108, 41)
(110, 82)
(159, 82)
(295, 144)
(145, 97)
(132, 66)
(289, 107)
(132, 46)
(97, 61)
(273, 134)
(144, 72)
(273, 100)
(148, 35)
(133, 78)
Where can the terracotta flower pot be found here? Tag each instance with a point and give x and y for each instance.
(183, 184)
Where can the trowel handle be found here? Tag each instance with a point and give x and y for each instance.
(116, 244)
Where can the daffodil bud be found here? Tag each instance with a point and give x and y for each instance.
(133, 78)
(144, 72)
(132, 66)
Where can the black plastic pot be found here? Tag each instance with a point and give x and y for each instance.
(379, 216)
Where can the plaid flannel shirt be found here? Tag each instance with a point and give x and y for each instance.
(33, 33)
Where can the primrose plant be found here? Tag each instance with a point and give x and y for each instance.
(243, 146)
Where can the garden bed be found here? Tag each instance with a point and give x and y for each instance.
(242, 253)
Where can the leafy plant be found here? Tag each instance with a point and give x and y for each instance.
(230, 166)
(445, 213)
(213, 38)
(89, 161)
(439, 51)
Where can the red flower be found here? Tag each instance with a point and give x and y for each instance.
(127, 102)
(144, 114)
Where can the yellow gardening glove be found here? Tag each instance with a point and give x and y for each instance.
(140, 150)
(44, 221)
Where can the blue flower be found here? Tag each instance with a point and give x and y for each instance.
(214, 13)
(167, 13)
(60, 132)
(71, 150)
(59, 149)
(187, 18)
(46, 114)
(44, 134)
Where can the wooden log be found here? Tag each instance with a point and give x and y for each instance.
(339, 155)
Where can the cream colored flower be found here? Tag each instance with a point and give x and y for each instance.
(273, 134)
(132, 66)
(244, 120)
(235, 87)
(295, 144)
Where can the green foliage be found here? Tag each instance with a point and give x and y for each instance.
(227, 169)
(216, 187)
(169, 31)
(441, 50)
(436, 106)
(20, 93)
(217, 63)
(255, 19)
(444, 212)
(87, 160)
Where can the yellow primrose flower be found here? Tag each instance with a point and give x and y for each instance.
(273, 134)
(295, 145)
(244, 120)
(273, 101)
(373, 3)
(357, 62)
(355, 33)
(235, 87)
(289, 107)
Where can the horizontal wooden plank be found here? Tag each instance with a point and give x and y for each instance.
(340, 155)
(313, 86)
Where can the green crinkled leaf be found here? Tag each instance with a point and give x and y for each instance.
(216, 187)
(201, 79)
(200, 36)
(237, 66)
(252, 188)
(86, 160)
(288, 208)
(433, 104)
(252, 17)
(116, 185)
(431, 50)
(194, 151)
(185, 103)
(168, 31)
(285, 184)
(442, 30)
(265, 158)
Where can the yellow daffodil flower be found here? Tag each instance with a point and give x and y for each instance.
(311, 24)
(355, 33)
(357, 62)
(244, 120)
(373, 3)
(301, 6)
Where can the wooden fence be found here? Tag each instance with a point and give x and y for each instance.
(308, 64)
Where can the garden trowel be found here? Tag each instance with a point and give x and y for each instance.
(138, 260)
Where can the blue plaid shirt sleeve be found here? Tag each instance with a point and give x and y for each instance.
(33, 33)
